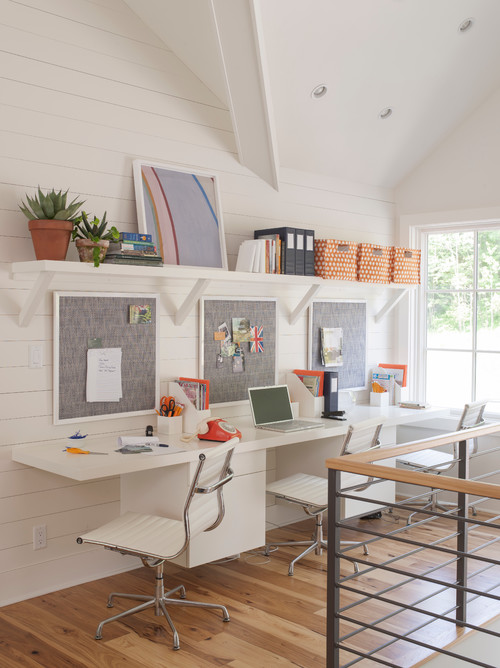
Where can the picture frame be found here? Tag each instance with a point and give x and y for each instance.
(101, 320)
(400, 372)
(181, 209)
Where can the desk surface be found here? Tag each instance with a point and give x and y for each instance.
(52, 458)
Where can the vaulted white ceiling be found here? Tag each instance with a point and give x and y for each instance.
(263, 58)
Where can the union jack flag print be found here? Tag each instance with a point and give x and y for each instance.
(257, 340)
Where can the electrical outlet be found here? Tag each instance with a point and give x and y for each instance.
(40, 537)
(35, 357)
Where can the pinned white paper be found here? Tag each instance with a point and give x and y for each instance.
(104, 374)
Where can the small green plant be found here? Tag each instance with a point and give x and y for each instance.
(50, 206)
(95, 230)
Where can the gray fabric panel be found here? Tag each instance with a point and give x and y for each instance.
(82, 318)
(351, 317)
(260, 368)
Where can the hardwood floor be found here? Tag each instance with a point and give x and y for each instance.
(276, 620)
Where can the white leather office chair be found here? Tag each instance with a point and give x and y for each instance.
(435, 461)
(155, 539)
(311, 492)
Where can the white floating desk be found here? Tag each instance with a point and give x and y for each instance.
(158, 483)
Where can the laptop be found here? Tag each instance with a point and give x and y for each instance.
(271, 409)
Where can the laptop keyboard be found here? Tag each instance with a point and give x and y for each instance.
(290, 425)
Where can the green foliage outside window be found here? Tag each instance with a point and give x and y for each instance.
(451, 268)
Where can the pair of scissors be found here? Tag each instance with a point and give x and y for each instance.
(167, 406)
(79, 451)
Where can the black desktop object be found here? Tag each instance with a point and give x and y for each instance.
(331, 394)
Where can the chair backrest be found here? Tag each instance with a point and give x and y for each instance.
(204, 507)
(472, 416)
(361, 436)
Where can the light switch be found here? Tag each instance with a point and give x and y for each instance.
(35, 357)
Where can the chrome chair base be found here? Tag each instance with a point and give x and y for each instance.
(316, 544)
(159, 602)
(433, 504)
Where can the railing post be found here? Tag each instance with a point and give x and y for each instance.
(462, 531)
(333, 573)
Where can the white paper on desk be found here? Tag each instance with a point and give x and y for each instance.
(104, 374)
(157, 450)
(151, 441)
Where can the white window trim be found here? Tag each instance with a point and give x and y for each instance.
(417, 227)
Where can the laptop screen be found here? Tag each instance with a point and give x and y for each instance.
(270, 404)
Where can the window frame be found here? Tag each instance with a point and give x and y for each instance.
(417, 333)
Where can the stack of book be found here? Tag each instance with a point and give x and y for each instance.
(260, 256)
(133, 248)
(296, 249)
(197, 391)
(313, 380)
(279, 250)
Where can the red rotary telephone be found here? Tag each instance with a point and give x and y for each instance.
(217, 429)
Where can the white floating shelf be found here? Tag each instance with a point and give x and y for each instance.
(45, 272)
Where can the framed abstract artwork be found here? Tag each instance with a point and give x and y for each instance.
(180, 209)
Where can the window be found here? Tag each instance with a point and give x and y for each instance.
(461, 312)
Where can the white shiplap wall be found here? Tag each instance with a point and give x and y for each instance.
(85, 89)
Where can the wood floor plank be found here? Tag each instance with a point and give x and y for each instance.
(276, 620)
(131, 646)
(31, 649)
(63, 638)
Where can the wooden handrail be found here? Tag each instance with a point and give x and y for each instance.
(361, 463)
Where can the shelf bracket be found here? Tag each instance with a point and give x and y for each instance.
(36, 294)
(304, 303)
(391, 304)
(185, 309)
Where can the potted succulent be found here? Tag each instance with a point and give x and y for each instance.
(92, 238)
(50, 223)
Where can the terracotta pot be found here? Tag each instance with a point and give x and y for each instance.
(86, 249)
(50, 238)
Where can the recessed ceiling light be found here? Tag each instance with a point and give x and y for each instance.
(466, 25)
(319, 91)
(385, 113)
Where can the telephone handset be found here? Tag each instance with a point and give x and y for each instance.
(214, 429)
(217, 429)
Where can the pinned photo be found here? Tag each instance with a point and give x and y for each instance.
(241, 330)
(140, 314)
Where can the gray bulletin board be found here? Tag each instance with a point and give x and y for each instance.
(259, 367)
(79, 320)
(351, 317)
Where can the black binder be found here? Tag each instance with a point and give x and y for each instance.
(287, 236)
(331, 391)
(300, 251)
(309, 253)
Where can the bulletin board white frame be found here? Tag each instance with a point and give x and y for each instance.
(249, 376)
(337, 318)
(143, 370)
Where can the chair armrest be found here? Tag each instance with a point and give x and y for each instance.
(220, 483)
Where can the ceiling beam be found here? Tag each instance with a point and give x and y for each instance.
(241, 44)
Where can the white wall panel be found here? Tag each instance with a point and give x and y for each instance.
(86, 88)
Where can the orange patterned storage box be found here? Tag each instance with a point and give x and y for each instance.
(405, 265)
(374, 263)
(335, 259)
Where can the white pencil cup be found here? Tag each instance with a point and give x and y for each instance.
(169, 425)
